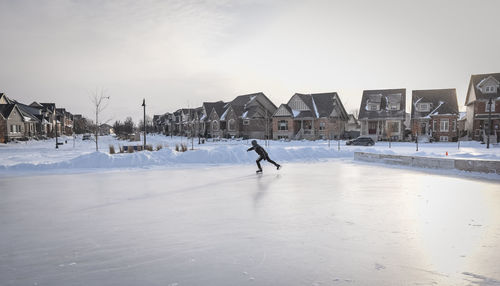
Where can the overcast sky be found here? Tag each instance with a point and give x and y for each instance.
(181, 53)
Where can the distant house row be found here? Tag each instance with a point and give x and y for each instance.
(19, 121)
(434, 115)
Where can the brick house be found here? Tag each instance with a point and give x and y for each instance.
(434, 115)
(482, 88)
(382, 114)
(249, 116)
(209, 118)
(11, 123)
(310, 116)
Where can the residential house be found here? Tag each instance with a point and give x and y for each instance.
(105, 129)
(434, 115)
(11, 123)
(65, 121)
(49, 109)
(382, 114)
(461, 123)
(352, 127)
(482, 89)
(310, 116)
(249, 116)
(211, 125)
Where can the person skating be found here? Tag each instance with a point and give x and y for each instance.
(262, 156)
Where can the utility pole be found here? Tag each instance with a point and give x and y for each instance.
(144, 121)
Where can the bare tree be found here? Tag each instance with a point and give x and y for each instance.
(97, 98)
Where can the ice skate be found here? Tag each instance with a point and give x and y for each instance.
(258, 172)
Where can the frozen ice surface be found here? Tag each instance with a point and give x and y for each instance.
(323, 223)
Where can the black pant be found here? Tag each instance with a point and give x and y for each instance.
(267, 159)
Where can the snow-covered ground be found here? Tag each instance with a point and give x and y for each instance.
(35, 156)
(318, 223)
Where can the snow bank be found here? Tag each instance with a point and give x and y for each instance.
(167, 157)
(35, 156)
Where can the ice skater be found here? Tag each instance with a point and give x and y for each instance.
(262, 156)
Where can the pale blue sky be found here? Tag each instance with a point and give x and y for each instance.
(180, 53)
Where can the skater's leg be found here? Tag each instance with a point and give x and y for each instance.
(272, 162)
(258, 162)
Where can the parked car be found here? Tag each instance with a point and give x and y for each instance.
(87, 137)
(364, 141)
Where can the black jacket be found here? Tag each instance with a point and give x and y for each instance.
(259, 150)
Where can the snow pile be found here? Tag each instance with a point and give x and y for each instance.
(35, 156)
(223, 154)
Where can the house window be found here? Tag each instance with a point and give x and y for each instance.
(444, 125)
(393, 106)
(246, 122)
(424, 107)
(434, 124)
(283, 125)
(443, 138)
(487, 107)
(231, 125)
(373, 107)
(322, 126)
(393, 127)
(489, 89)
(215, 125)
(454, 125)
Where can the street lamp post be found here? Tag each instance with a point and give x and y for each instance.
(489, 124)
(144, 121)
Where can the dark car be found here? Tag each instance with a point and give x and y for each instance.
(363, 141)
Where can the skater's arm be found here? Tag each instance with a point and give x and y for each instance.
(251, 148)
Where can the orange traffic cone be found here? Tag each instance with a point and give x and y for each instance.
(446, 153)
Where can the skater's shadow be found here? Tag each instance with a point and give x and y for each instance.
(263, 184)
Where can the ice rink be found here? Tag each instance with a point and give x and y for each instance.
(328, 223)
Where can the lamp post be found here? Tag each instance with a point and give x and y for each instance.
(144, 121)
(489, 124)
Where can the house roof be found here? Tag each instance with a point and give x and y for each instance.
(4, 96)
(218, 106)
(6, 109)
(49, 106)
(442, 101)
(383, 97)
(28, 109)
(474, 82)
(319, 104)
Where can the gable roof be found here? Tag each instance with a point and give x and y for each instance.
(442, 101)
(383, 96)
(6, 109)
(49, 106)
(218, 106)
(6, 99)
(475, 79)
(319, 105)
(243, 107)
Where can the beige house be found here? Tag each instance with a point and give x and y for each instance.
(310, 116)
